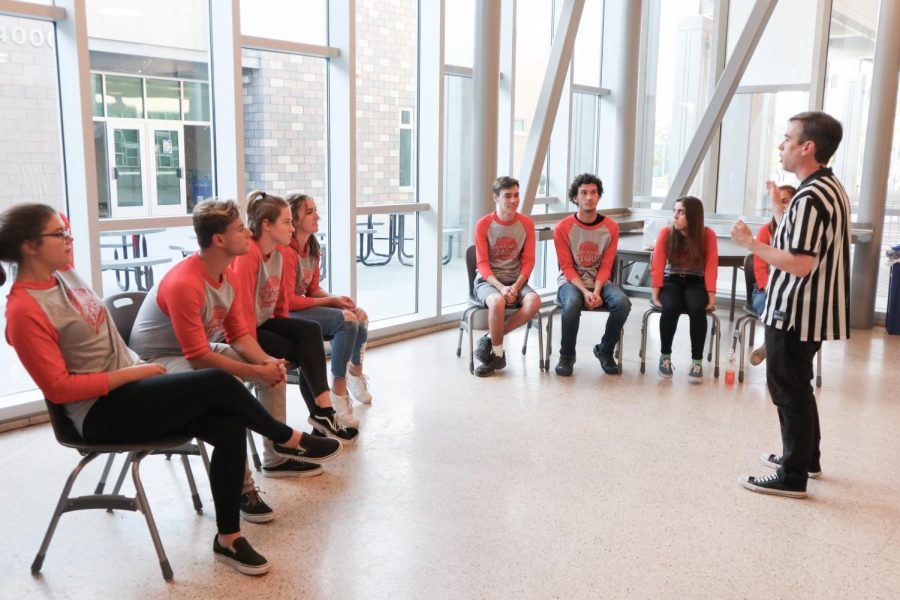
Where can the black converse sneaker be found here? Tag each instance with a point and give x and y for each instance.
(774, 461)
(241, 556)
(254, 509)
(770, 484)
(328, 422)
(293, 468)
(483, 348)
(311, 449)
(494, 364)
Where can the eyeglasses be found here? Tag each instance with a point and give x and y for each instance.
(65, 234)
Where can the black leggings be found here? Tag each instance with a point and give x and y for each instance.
(208, 404)
(299, 342)
(683, 294)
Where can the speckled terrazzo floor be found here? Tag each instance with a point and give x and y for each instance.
(523, 485)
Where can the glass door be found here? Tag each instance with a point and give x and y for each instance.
(127, 174)
(167, 168)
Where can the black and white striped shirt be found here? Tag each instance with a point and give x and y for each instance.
(817, 223)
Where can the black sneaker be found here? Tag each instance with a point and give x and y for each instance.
(312, 449)
(483, 348)
(328, 422)
(241, 556)
(607, 362)
(770, 484)
(564, 366)
(293, 468)
(494, 364)
(774, 461)
(254, 508)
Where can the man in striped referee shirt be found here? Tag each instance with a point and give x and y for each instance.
(807, 300)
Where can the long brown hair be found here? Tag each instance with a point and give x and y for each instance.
(263, 207)
(692, 244)
(773, 224)
(297, 202)
(19, 224)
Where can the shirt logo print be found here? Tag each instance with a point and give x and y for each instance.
(588, 254)
(216, 321)
(88, 306)
(268, 292)
(505, 247)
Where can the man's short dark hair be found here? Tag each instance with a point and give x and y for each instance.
(503, 183)
(584, 179)
(823, 130)
(213, 216)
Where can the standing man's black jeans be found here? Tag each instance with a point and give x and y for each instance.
(789, 370)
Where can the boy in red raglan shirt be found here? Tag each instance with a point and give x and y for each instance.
(504, 250)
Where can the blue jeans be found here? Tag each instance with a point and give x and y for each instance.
(758, 300)
(572, 302)
(348, 337)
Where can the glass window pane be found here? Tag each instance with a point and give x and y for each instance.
(585, 128)
(459, 33)
(588, 43)
(31, 166)
(140, 54)
(753, 127)
(163, 99)
(288, 20)
(124, 97)
(196, 101)
(785, 51)
(405, 157)
(674, 96)
(97, 94)
(457, 179)
(285, 131)
(534, 20)
(167, 244)
(387, 47)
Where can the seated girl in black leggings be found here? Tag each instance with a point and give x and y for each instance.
(298, 341)
(684, 268)
(67, 343)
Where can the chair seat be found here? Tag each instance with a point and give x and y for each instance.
(168, 442)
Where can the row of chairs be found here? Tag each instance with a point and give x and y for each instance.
(467, 323)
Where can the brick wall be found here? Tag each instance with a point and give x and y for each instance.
(30, 151)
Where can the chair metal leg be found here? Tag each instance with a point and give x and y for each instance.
(102, 483)
(204, 456)
(819, 368)
(60, 509)
(718, 330)
(195, 496)
(643, 350)
(527, 331)
(540, 330)
(128, 458)
(619, 348)
(459, 342)
(257, 464)
(471, 344)
(549, 349)
(144, 507)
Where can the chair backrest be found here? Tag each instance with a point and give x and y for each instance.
(63, 429)
(749, 275)
(470, 267)
(123, 308)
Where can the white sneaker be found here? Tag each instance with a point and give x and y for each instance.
(359, 387)
(344, 409)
